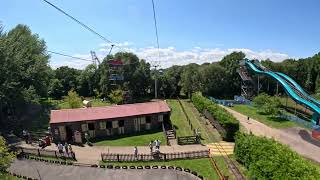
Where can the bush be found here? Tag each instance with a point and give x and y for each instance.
(267, 159)
(267, 105)
(225, 119)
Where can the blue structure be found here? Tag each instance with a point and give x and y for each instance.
(293, 89)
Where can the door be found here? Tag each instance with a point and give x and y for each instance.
(63, 134)
(136, 124)
(91, 130)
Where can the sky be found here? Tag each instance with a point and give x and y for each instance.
(195, 31)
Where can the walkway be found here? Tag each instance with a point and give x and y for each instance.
(92, 154)
(221, 148)
(298, 139)
(47, 171)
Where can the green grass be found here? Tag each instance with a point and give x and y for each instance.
(178, 119)
(222, 165)
(199, 123)
(140, 139)
(267, 120)
(201, 166)
(62, 104)
(5, 176)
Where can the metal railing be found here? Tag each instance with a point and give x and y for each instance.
(154, 156)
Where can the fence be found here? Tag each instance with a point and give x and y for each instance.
(154, 156)
(185, 140)
(296, 119)
(165, 133)
(237, 100)
(186, 115)
(42, 152)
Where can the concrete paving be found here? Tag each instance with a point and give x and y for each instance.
(47, 171)
(297, 138)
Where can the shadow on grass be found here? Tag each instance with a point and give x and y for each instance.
(277, 119)
(95, 140)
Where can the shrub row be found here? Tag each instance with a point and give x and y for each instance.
(267, 159)
(224, 118)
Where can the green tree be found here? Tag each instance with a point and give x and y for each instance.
(317, 84)
(68, 78)
(73, 99)
(56, 89)
(231, 64)
(6, 156)
(24, 72)
(88, 81)
(267, 105)
(190, 79)
(116, 96)
(213, 79)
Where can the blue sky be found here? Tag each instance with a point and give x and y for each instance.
(189, 31)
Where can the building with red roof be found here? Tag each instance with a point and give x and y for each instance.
(71, 125)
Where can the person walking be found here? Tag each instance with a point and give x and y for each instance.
(25, 136)
(151, 146)
(135, 151)
(60, 149)
(248, 118)
(86, 136)
(66, 148)
(157, 142)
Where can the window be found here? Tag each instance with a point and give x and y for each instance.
(142, 120)
(102, 125)
(56, 131)
(91, 126)
(115, 124)
(109, 124)
(148, 120)
(160, 118)
(84, 127)
(121, 123)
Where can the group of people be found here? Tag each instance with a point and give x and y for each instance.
(65, 148)
(156, 144)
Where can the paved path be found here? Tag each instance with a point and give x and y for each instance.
(221, 148)
(47, 171)
(298, 139)
(92, 154)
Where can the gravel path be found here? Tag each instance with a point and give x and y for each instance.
(298, 139)
(47, 171)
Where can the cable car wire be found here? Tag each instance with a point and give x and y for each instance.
(83, 25)
(61, 54)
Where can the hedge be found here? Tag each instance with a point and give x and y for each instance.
(224, 118)
(267, 159)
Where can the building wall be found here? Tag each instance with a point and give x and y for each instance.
(128, 128)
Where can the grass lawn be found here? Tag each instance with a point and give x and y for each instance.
(222, 166)
(201, 166)
(5, 176)
(267, 120)
(199, 123)
(178, 119)
(61, 104)
(141, 139)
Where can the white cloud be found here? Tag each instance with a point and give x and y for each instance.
(171, 56)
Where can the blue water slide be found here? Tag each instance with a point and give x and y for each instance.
(290, 91)
(298, 87)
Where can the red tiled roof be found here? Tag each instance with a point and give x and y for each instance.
(107, 112)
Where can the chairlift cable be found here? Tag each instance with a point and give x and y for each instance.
(61, 54)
